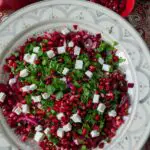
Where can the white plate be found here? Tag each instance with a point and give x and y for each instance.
(117, 28)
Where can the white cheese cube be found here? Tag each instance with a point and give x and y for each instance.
(25, 89)
(12, 81)
(64, 79)
(36, 99)
(79, 64)
(106, 67)
(61, 50)
(112, 113)
(25, 108)
(36, 49)
(17, 110)
(70, 44)
(67, 127)
(89, 74)
(101, 107)
(77, 50)
(33, 87)
(76, 118)
(50, 54)
(65, 31)
(33, 58)
(24, 73)
(39, 136)
(96, 98)
(101, 60)
(2, 96)
(45, 95)
(65, 71)
(27, 58)
(60, 132)
(30, 58)
(38, 128)
(46, 131)
(94, 133)
(59, 116)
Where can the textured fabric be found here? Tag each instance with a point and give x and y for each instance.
(139, 18)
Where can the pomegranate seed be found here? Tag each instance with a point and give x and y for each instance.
(97, 117)
(44, 49)
(6, 68)
(130, 85)
(101, 145)
(84, 131)
(75, 27)
(37, 62)
(92, 68)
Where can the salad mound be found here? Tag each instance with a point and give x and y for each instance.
(65, 90)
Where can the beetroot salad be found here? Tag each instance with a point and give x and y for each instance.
(65, 91)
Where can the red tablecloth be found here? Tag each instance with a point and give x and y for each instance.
(139, 18)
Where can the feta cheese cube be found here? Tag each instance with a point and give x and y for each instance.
(65, 71)
(94, 133)
(25, 108)
(106, 67)
(25, 89)
(27, 58)
(33, 58)
(33, 87)
(36, 49)
(96, 98)
(79, 64)
(101, 107)
(112, 113)
(59, 116)
(38, 128)
(12, 81)
(65, 31)
(50, 54)
(70, 44)
(45, 95)
(17, 110)
(63, 79)
(36, 99)
(76, 118)
(39, 136)
(46, 131)
(24, 73)
(89, 74)
(60, 132)
(67, 127)
(77, 50)
(2, 96)
(30, 58)
(101, 60)
(61, 50)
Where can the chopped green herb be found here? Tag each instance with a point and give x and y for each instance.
(79, 131)
(121, 60)
(50, 89)
(53, 112)
(28, 99)
(83, 147)
(47, 103)
(59, 95)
